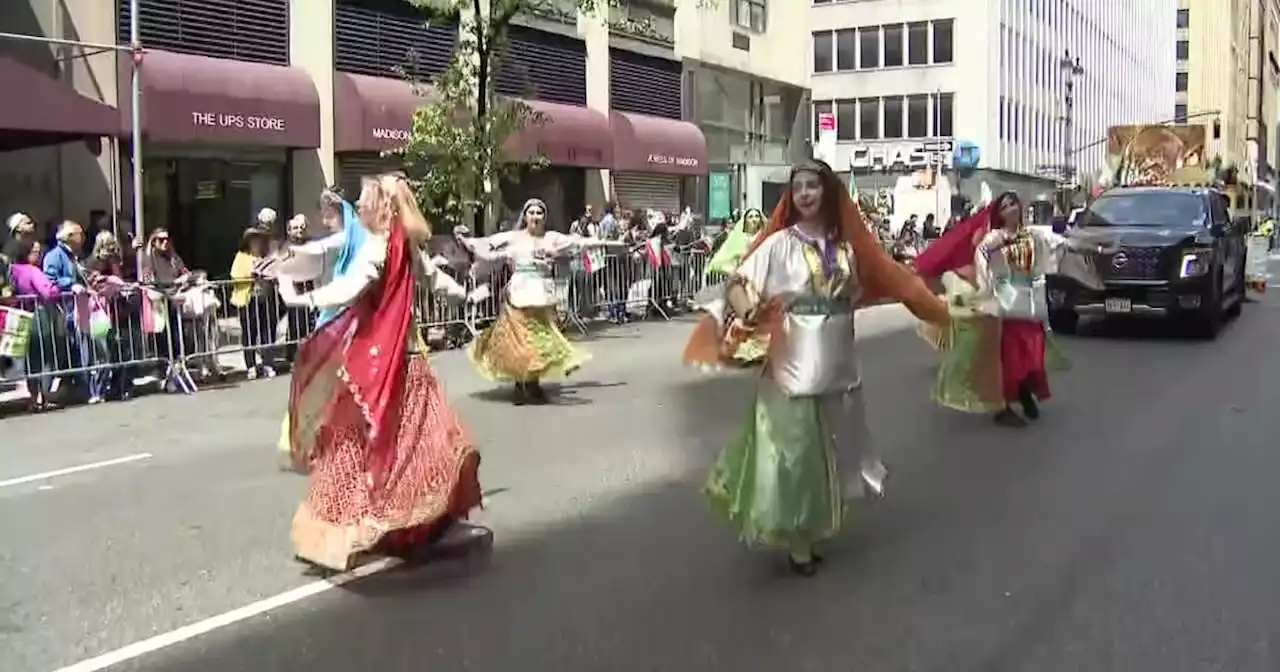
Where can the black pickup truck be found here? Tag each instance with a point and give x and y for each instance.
(1159, 252)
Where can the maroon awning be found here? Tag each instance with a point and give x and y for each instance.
(197, 98)
(645, 144)
(373, 114)
(44, 111)
(568, 136)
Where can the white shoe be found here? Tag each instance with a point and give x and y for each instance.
(873, 474)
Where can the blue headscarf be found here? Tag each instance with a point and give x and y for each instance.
(353, 237)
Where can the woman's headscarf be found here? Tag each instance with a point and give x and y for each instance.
(879, 275)
(354, 236)
(730, 253)
(520, 225)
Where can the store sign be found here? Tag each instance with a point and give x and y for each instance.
(825, 150)
(246, 121)
(669, 160)
(902, 156)
(391, 134)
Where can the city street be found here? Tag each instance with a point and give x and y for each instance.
(1135, 528)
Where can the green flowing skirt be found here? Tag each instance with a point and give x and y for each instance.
(969, 376)
(777, 482)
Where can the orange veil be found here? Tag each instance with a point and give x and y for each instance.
(880, 276)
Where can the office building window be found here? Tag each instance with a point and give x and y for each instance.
(892, 117)
(869, 118)
(846, 49)
(917, 116)
(1184, 18)
(943, 48)
(1179, 114)
(1184, 50)
(820, 107)
(823, 45)
(1180, 81)
(846, 120)
(750, 15)
(869, 47)
(893, 46)
(944, 115)
(918, 43)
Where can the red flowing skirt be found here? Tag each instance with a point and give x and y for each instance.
(433, 481)
(1022, 358)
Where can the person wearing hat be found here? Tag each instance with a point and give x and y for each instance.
(19, 228)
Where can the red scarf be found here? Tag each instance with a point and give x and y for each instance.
(956, 248)
(366, 344)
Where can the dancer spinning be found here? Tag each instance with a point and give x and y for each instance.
(524, 346)
(994, 353)
(392, 468)
(329, 258)
(777, 482)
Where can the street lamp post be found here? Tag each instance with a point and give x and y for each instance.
(1071, 69)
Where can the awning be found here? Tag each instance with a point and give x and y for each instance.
(568, 136)
(373, 114)
(189, 98)
(44, 111)
(645, 144)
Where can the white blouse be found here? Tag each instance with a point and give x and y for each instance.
(1005, 293)
(818, 354)
(532, 259)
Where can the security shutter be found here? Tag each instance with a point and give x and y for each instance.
(645, 84)
(390, 38)
(242, 30)
(637, 191)
(352, 167)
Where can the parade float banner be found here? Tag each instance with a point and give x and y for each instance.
(1158, 154)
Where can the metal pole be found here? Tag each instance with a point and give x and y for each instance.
(53, 40)
(135, 44)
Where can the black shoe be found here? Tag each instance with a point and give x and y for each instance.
(806, 568)
(1027, 399)
(520, 396)
(537, 395)
(1007, 418)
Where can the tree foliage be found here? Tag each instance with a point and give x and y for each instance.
(455, 155)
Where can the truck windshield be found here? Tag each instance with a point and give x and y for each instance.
(1156, 208)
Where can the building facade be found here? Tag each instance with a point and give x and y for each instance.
(746, 84)
(249, 104)
(910, 80)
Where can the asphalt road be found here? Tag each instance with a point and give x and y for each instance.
(1134, 529)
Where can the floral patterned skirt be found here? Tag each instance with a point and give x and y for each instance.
(524, 345)
(434, 478)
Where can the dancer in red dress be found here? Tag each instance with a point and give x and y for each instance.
(392, 468)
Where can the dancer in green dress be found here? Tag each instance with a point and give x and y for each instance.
(779, 481)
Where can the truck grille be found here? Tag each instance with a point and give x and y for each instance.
(1134, 263)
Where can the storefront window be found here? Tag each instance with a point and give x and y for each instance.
(208, 203)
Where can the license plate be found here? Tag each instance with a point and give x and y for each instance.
(1119, 306)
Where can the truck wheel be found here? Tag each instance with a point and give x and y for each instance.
(1209, 318)
(1064, 321)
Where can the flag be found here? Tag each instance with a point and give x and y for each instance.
(593, 259)
(853, 187)
(659, 256)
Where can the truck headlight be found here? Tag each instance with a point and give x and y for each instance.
(1196, 263)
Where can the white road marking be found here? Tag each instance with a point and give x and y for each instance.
(73, 470)
(208, 625)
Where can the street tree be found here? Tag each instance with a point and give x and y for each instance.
(455, 153)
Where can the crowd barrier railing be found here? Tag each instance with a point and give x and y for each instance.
(104, 342)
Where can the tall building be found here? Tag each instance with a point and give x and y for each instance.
(908, 77)
(260, 103)
(1228, 74)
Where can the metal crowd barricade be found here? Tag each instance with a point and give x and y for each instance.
(195, 334)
